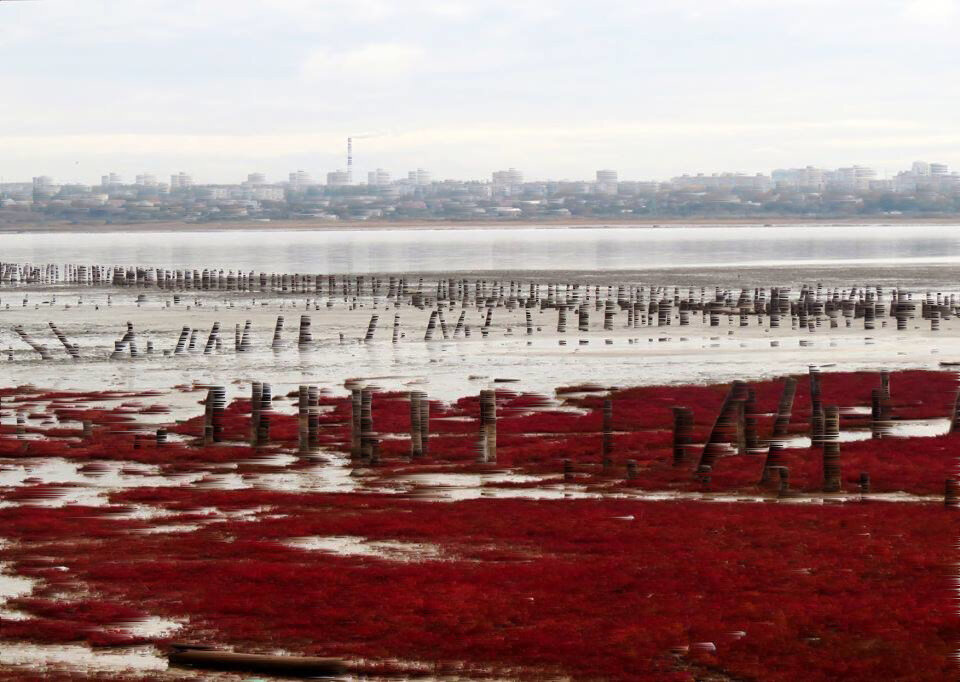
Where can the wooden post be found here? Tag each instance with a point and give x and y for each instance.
(682, 434)
(305, 338)
(356, 405)
(263, 426)
(313, 417)
(488, 426)
(366, 422)
(424, 425)
(256, 400)
(831, 450)
(416, 444)
(277, 334)
(607, 438)
(726, 427)
(303, 417)
(780, 428)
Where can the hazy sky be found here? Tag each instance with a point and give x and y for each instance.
(219, 88)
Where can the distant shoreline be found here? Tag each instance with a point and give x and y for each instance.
(320, 225)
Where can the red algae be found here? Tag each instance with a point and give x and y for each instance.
(600, 589)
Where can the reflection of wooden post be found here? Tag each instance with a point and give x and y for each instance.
(831, 450)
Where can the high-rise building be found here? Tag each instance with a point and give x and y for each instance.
(256, 179)
(338, 178)
(507, 178)
(607, 182)
(146, 180)
(300, 180)
(419, 177)
(180, 181)
(378, 178)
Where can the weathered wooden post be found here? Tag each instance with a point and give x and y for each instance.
(214, 407)
(816, 406)
(305, 338)
(371, 328)
(951, 494)
(214, 335)
(313, 417)
(416, 444)
(431, 326)
(356, 408)
(831, 450)
(256, 400)
(366, 422)
(607, 438)
(245, 339)
(424, 425)
(263, 426)
(879, 413)
(488, 426)
(780, 428)
(726, 428)
(682, 434)
(303, 417)
(277, 334)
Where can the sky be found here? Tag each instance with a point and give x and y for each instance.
(556, 88)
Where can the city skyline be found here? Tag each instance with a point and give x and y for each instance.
(220, 88)
(423, 176)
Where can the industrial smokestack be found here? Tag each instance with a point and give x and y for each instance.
(349, 160)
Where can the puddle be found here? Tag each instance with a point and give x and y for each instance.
(350, 545)
(81, 658)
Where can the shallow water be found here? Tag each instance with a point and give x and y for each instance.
(527, 248)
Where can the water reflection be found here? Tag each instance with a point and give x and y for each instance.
(528, 248)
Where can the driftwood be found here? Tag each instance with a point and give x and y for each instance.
(199, 656)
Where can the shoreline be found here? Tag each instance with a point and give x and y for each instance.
(318, 225)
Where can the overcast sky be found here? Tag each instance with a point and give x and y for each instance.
(220, 88)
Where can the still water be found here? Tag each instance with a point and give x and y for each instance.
(519, 249)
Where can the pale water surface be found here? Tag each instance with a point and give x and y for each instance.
(517, 249)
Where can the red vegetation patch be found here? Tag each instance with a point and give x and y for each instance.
(598, 589)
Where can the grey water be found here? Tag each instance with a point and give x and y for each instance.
(872, 249)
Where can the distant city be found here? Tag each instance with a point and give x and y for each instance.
(923, 190)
